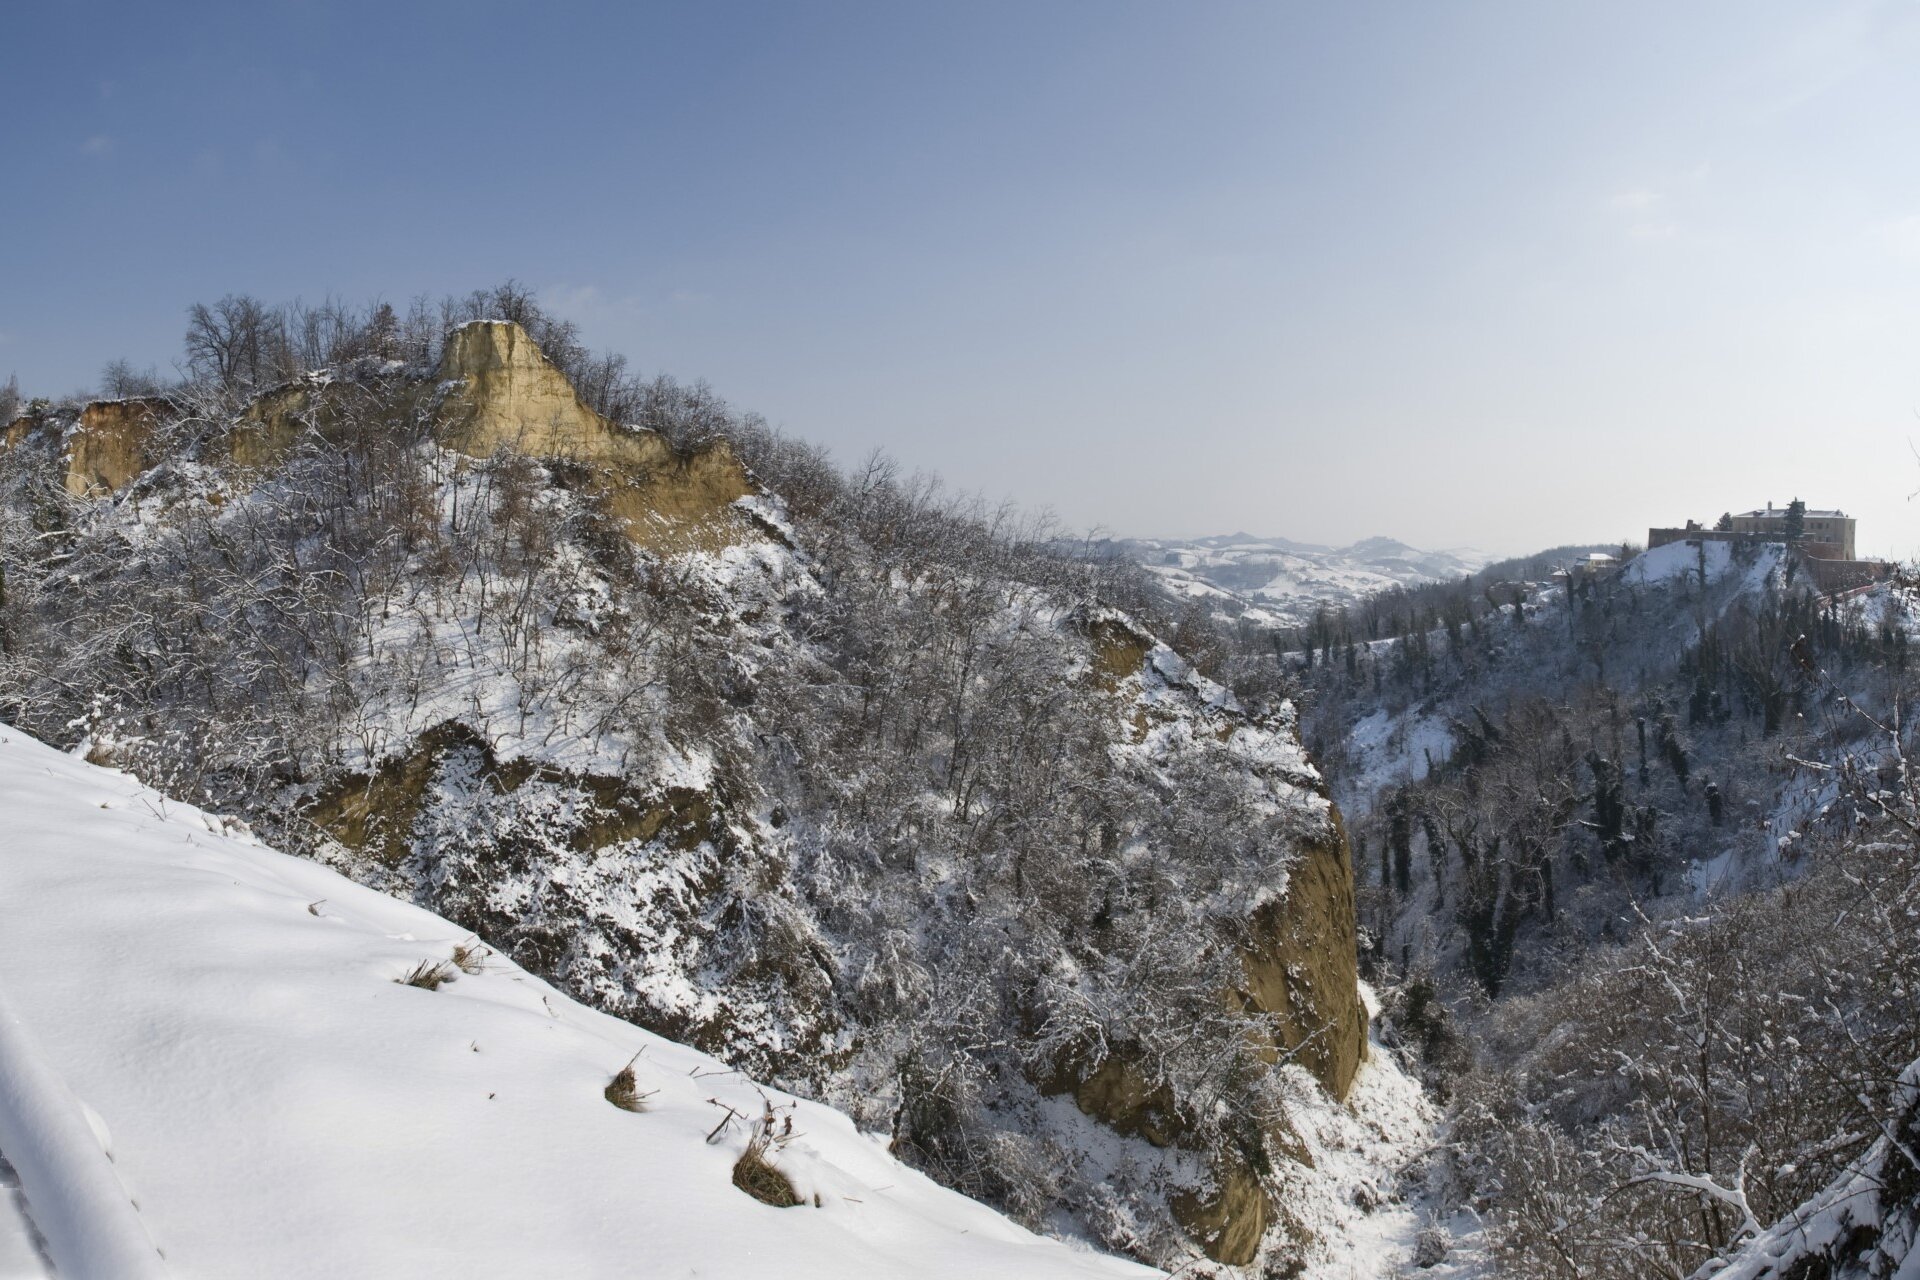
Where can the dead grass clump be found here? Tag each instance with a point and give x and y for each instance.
(429, 975)
(624, 1092)
(471, 956)
(756, 1176)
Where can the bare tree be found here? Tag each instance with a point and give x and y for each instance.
(234, 342)
(121, 381)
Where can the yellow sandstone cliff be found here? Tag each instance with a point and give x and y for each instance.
(113, 443)
(495, 391)
(1301, 966)
(503, 393)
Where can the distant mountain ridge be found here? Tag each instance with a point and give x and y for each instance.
(1281, 582)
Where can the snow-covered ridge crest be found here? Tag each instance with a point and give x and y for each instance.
(492, 390)
(280, 1104)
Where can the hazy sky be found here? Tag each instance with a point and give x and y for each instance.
(1493, 274)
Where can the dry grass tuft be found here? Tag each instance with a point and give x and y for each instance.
(623, 1091)
(753, 1174)
(429, 975)
(471, 956)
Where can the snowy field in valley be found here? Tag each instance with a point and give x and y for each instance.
(209, 1068)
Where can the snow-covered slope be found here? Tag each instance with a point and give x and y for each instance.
(208, 1065)
(1708, 563)
(1282, 582)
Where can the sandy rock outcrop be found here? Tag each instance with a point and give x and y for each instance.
(495, 390)
(503, 393)
(1300, 966)
(272, 424)
(1303, 965)
(17, 432)
(112, 443)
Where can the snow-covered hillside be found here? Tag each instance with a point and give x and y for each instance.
(1281, 582)
(1606, 814)
(209, 1066)
(903, 811)
(1708, 564)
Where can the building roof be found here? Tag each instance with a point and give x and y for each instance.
(1811, 513)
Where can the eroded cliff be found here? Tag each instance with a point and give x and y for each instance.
(503, 393)
(494, 390)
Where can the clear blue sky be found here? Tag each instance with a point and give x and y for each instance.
(1501, 274)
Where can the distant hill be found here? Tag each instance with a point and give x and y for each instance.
(1281, 582)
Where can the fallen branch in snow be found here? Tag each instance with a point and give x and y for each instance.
(725, 1120)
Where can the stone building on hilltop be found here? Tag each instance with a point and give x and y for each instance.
(1823, 537)
(1818, 529)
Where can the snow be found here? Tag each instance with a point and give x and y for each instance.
(82, 1209)
(279, 1105)
(1386, 1129)
(22, 1255)
(1676, 560)
(1278, 582)
(1388, 748)
(1829, 1228)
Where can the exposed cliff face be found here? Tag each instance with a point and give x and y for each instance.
(103, 447)
(496, 391)
(273, 423)
(112, 444)
(1300, 964)
(503, 393)
(22, 427)
(629, 893)
(1231, 1218)
(1301, 969)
